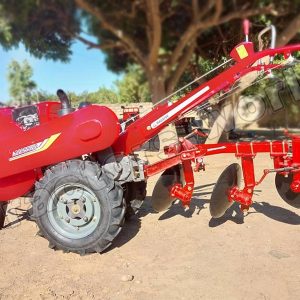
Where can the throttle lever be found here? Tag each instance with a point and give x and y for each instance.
(246, 26)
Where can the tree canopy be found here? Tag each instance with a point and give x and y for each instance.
(20, 80)
(164, 37)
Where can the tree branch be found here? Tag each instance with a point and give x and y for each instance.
(195, 6)
(92, 45)
(182, 64)
(193, 29)
(289, 32)
(185, 38)
(126, 40)
(153, 15)
(206, 9)
(241, 15)
(219, 8)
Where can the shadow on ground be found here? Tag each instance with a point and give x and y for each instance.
(197, 205)
(19, 215)
(277, 213)
(129, 231)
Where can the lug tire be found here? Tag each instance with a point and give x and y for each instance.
(107, 195)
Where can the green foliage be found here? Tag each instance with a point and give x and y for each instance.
(46, 28)
(134, 86)
(5, 28)
(103, 95)
(21, 84)
(281, 97)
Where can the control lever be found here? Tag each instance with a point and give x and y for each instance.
(246, 26)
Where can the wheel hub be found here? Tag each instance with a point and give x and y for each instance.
(74, 211)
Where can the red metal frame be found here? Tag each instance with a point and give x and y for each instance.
(188, 154)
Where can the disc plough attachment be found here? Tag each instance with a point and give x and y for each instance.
(221, 198)
(288, 188)
(162, 196)
(229, 188)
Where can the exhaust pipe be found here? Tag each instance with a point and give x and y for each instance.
(66, 106)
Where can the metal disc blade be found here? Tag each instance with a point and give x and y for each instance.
(283, 188)
(161, 198)
(219, 203)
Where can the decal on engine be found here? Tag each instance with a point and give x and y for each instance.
(35, 148)
(174, 111)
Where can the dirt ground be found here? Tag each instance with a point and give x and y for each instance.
(176, 254)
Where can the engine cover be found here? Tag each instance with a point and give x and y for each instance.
(84, 131)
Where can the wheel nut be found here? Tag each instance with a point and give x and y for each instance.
(67, 220)
(83, 200)
(85, 219)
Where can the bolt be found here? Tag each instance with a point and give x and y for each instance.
(83, 200)
(94, 219)
(249, 191)
(189, 188)
(85, 219)
(67, 220)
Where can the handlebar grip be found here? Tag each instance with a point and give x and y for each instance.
(246, 25)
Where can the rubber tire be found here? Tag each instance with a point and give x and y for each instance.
(3, 207)
(108, 193)
(134, 192)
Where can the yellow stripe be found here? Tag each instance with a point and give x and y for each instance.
(49, 142)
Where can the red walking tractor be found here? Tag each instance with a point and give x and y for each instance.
(82, 172)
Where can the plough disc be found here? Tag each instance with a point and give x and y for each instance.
(283, 188)
(229, 178)
(161, 196)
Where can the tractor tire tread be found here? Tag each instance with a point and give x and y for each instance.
(113, 192)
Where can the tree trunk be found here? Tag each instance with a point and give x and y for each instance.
(168, 135)
(157, 87)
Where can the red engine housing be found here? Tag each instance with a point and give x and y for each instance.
(55, 139)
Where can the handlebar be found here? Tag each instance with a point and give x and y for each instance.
(273, 36)
(272, 28)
